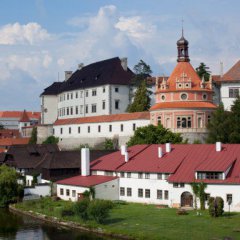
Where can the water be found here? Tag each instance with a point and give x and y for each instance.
(14, 226)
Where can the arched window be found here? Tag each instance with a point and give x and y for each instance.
(184, 122)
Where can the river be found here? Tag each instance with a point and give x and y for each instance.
(13, 226)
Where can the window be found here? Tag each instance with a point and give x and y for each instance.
(184, 122)
(204, 96)
(71, 110)
(233, 92)
(76, 94)
(140, 192)
(116, 104)
(103, 105)
(79, 129)
(81, 94)
(61, 191)
(67, 96)
(147, 193)
(53, 131)
(129, 192)
(175, 185)
(184, 96)
(207, 196)
(67, 111)
(134, 126)
(116, 89)
(163, 97)
(99, 128)
(122, 191)
(94, 108)
(108, 173)
(103, 90)
(159, 194)
(110, 128)
(121, 127)
(208, 118)
(229, 198)
(178, 185)
(81, 109)
(71, 95)
(89, 129)
(159, 176)
(140, 175)
(67, 192)
(122, 174)
(69, 130)
(159, 120)
(86, 93)
(94, 92)
(166, 176)
(61, 130)
(181, 185)
(128, 175)
(86, 109)
(76, 110)
(166, 195)
(147, 175)
(209, 175)
(73, 193)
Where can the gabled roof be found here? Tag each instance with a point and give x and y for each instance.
(185, 104)
(87, 181)
(9, 133)
(233, 74)
(104, 118)
(13, 141)
(18, 114)
(108, 71)
(24, 117)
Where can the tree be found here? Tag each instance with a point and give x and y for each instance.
(142, 99)
(219, 126)
(33, 139)
(10, 191)
(215, 206)
(202, 187)
(195, 189)
(202, 71)
(108, 144)
(51, 140)
(234, 120)
(154, 135)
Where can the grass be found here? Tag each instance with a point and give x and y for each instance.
(149, 222)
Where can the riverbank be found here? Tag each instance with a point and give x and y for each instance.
(138, 221)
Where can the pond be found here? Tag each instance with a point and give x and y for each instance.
(15, 226)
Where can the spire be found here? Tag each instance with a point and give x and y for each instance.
(24, 117)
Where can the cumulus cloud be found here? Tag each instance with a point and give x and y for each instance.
(16, 33)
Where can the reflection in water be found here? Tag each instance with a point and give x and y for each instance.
(15, 227)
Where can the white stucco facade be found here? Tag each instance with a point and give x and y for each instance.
(49, 109)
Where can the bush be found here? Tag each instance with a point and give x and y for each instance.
(99, 210)
(81, 208)
(182, 212)
(215, 206)
(67, 211)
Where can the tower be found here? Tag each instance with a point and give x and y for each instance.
(182, 46)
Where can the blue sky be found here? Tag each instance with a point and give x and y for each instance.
(40, 39)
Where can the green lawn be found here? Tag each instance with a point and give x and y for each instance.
(149, 222)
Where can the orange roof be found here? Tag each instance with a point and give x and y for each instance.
(13, 141)
(24, 117)
(104, 118)
(9, 133)
(233, 74)
(186, 68)
(182, 105)
(18, 114)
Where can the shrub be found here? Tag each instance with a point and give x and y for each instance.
(220, 206)
(182, 212)
(215, 206)
(99, 210)
(81, 208)
(67, 211)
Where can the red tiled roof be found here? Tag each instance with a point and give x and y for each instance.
(18, 114)
(13, 141)
(183, 105)
(24, 117)
(233, 74)
(87, 181)
(182, 162)
(105, 118)
(9, 133)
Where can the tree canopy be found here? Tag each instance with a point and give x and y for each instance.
(51, 140)
(203, 71)
(10, 191)
(141, 70)
(33, 139)
(154, 135)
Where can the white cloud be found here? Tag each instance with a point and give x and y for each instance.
(16, 33)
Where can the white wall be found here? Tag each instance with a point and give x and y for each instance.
(108, 190)
(48, 109)
(41, 190)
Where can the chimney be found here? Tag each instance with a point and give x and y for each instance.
(168, 147)
(160, 152)
(80, 66)
(126, 156)
(218, 146)
(123, 149)
(85, 162)
(68, 74)
(124, 63)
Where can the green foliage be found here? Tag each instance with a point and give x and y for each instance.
(142, 70)
(99, 210)
(203, 71)
(215, 206)
(199, 192)
(81, 208)
(51, 140)
(1, 126)
(33, 139)
(108, 144)
(195, 189)
(197, 141)
(219, 126)
(10, 191)
(154, 135)
(67, 211)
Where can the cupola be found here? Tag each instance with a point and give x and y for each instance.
(182, 46)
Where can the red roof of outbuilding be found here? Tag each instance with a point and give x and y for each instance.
(13, 141)
(233, 74)
(105, 118)
(18, 114)
(24, 117)
(185, 104)
(87, 181)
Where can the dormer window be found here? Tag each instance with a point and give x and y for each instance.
(210, 175)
